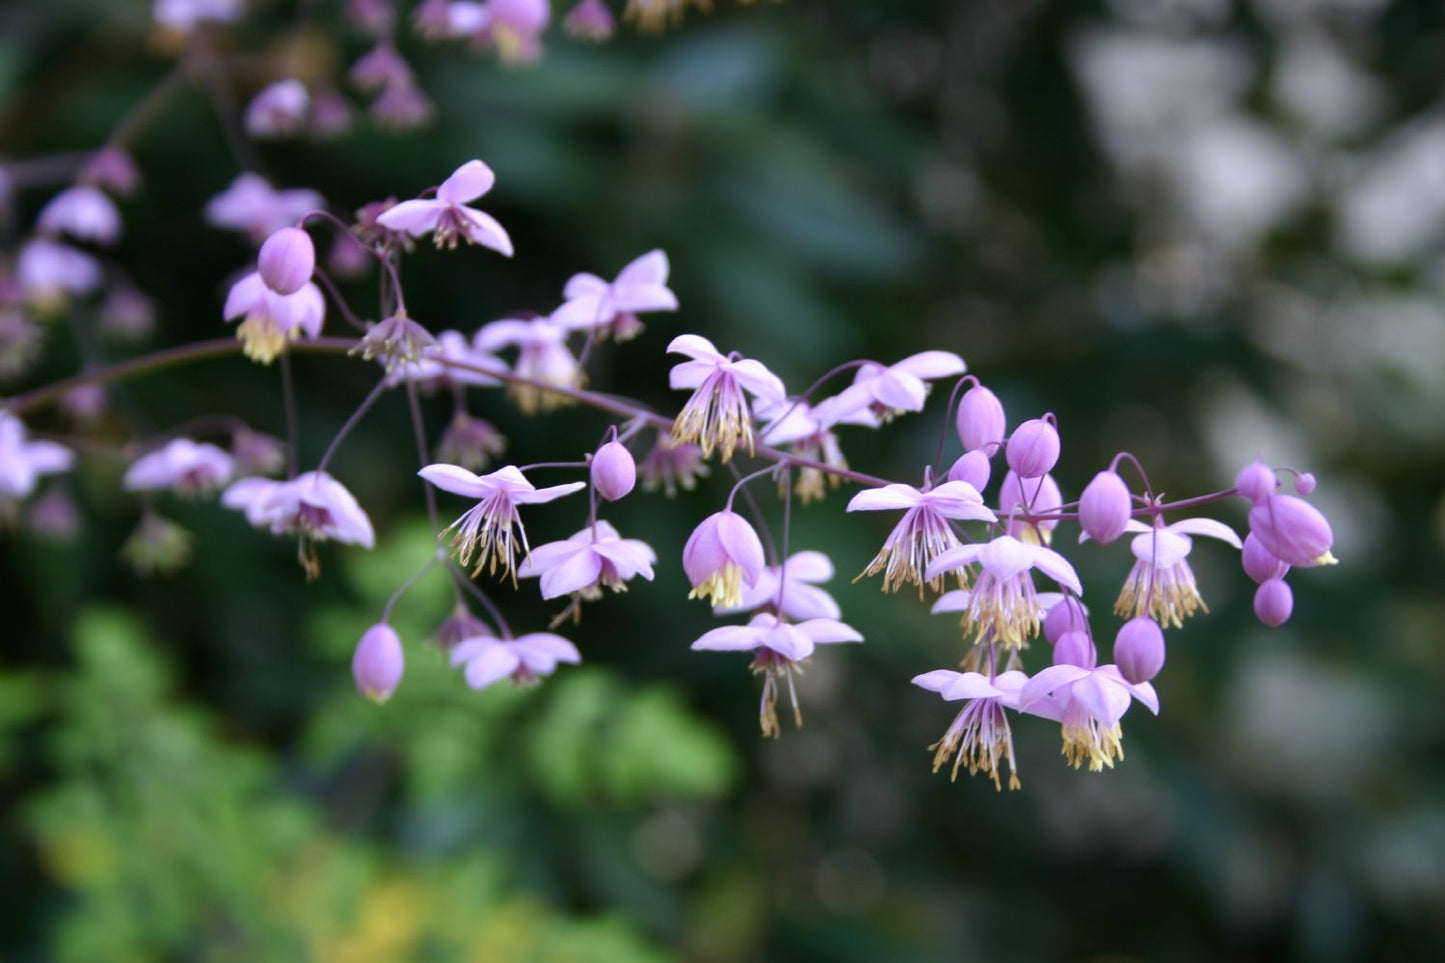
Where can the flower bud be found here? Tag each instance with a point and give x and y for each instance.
(1256, 481)
(981, 421)
(722, 555)
(1104, 508)
(378, 663)
(1033, 448)
(287, 260)
(1139, 649)
(1304, 483)
(1259, 564)
(1274, 602)
(1066, 616)
(1076, 648)
(1293, 530)
(614, 473)
(972, 467)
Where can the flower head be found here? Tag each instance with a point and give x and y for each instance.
(923, 533)
(83, 212)
(48, 272)
(717, 416)
(671, 465)
(182, 464)
(807, 430)
(396, 340)
(470, 442)
(612, 307)
(279, 110)
(515, 28)
(593, 559)
(590, 20)
(252, 206)
(22, 461)
(799, 593)
(1089, 703)
(313, 505)
(1292, 530)
(1161, 583)
(185, 15)
(269, 320)
(525, 659)
(450, 362)
(542, 357)
(722, 555)
(447, 218)
(1003, 605)
(901, 387)
(979, 736)
(492, 529)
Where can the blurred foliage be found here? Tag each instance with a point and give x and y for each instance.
(1199, 229)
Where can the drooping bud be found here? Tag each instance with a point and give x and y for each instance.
(1304, 483)
(1274, 602)
(722, 555)
(1076, 648)
(1104, 508)
(1033, 448)
(287, 260)
(1293, 530)
(395, 340)
(973, 467)
(378, 663)
(981, 421)
(1256, 481)
(1259, 564)
(1067, 615)
(1139, 649)
(614, 473)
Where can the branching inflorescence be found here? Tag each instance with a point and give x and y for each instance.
(983, 551)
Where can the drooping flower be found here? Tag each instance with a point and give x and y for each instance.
(313, 505)
(451, 362)
(23, 462)
(182, 464)
(279, 110)
(378, 663)
(800, 596)
(979, 736)
(157, 546)
(515, 28)
(470, 442)
(49, 272)
(1161, 583)
(257, 453)
(127, 313)
(252, 206)
(717, 416)
(525, 659)
(1292, 530)
(590, 20)
(722, 556)
(1089, 704)
(671, 465)
(447, 218)
(900, 387)
(923, 533)
(492, 528)
(542, 357)
(250, 497)
(402, 108)
(459, 626)
(778, 647)
(380, 69)
(807, 431)
(111, 169)
(83, 212)
(612, 308)
(269, 320)
(1003, 605)
(594, 559)
(396, 340)
(1021, 499)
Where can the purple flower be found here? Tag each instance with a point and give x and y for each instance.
(515, 28)
(722, 555)
(450, 362)
(980, 420)
(378, 663)
(1161, 583)
(287, 260)
(590, 20)
(1105, 508)
(182, 464)
(313, 505)
(447, 218)
(717, 416)
(127, 313)
(255, 208)
(22, 461)
(979, 736)
(279, 110)
(1292, 530)
(800, 596)
(402, 108)
(778, 647)
(613, 471)
(1089, 703)
(460, 626)
(492, 528)
(271, 319)
(382, 68)
(670, 466)
(397, 340)
(595, 305)
(1256, 481)
(923, 533)
(83, 212)
(971, 467)
(807, 430)
(111, 169)
(900, 387)
(1003, 605)
(542, 356)
(184, 15)
(1028, 497)
(470, 442)
(1033, 448)
(526, 658)
(48, 272)
(595, 558)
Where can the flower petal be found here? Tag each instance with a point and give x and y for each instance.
(1209, 528)
(412, 217)
(467, 183)
(494, 664)
(695, 346)
(457, 480)
(888, 498)
(729, 638)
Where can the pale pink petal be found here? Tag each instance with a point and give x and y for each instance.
(1209, 528)
(500, 334)
(888, 498)
(808, 602)
(584, 285)
(648, 270)
(932, 364)
(544, 557)
(483, 229)
(1161, 547)
(494, 664)
(1054, 677)
(756, 378)
(1101, 698)
(1006, 557)
(788, 641)
(695, 346)
(412, 217)
(809, 566)
(953, 558)
(457, 480)
(583, 311)
(690, 374)
(829, 630)
(553, 646)
(971, 685)
(571, 575)
(547, 494)
(955, 601)
(936, 680)
(467, 183)
(648, 297)
(1056, 567)
(729, 638)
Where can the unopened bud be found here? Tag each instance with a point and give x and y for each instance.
(1256, 481)
(1259, 564)
(981, 420)
(287, 260)
(1293, 530)
(1033, 448)
(614, 473)
(1304, 483)
(1066, 616)
(1139, 649)
(1105, 507)
(378, 663)
(973, 468)
(1076, 648)
(1274, 602)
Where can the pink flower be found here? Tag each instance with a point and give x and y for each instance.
(899, 387)
(1161, 583)
(287, 260)
(670, 466)
(83, 212)
(515, 27)
(1292, 530)
(807, 430)
(980, 420)
(722, 555)
(271, 319)
(717, 416)
(1089, 703)
(313, 505)
(182, 464)
(381, 69)
(439, 365)
(590, 20)
(111, 169)
(22, 461)
(542, 356)
(255, 208)
(923, 533)
(185, 15)
(594, 304)
(526, 658)
(279, 110)
(595, 558)
(778, 647)
(801, 598)
(1027, 497)
(48, 271)
(979, 736)
(492, 528)
(1003, 605)
(402, 108)
(447, 217)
